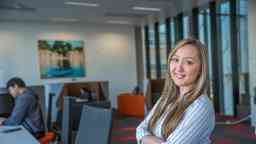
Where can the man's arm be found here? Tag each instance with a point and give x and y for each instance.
(2, 119)
(19, 111)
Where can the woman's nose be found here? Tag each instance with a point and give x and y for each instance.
(179, 67)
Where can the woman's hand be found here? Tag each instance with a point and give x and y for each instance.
(151, 140)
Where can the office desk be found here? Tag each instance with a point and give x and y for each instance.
(16, 137)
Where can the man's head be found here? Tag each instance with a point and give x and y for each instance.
(15, 86)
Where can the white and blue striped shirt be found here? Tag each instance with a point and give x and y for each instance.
(195, 128)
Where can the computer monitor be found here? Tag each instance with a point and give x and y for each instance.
(6, 104)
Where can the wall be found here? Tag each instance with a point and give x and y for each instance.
(252, 57)
(109, 50)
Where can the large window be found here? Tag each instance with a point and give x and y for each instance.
(232, 22)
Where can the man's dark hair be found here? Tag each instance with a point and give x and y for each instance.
(15, 81)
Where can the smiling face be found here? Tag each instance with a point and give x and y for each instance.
(185, 66)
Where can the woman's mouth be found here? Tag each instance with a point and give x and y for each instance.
(179, 76)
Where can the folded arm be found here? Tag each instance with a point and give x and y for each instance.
(143, 134)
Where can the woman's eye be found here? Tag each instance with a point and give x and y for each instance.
(175, 60)
(189, 62)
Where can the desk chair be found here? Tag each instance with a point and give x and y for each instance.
(130, 105)
(47, 138)
(95, 126)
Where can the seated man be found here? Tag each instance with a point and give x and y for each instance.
(27, 109)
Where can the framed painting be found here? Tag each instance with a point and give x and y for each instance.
(61, 59)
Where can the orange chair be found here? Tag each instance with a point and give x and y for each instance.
(47, 138)
(130, 104)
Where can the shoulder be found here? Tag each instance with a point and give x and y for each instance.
(28, 95)
(200, 111)
(202, 101)
(201, 106)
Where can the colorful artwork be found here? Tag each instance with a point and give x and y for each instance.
(61, 59)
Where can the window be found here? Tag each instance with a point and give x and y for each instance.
(242, 7)
(224, 33)
(186, 25)
(152, 52)
(204, 26)
(163, 55)
(173, 35)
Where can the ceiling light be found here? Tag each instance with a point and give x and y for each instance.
(63, 20)
(119, 22)
(146, 8)
(82, 4)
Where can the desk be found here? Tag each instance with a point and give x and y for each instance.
(17, 137)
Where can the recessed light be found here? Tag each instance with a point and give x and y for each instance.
(64, 20)
(82, 4)
(119, 22)
(146, 8)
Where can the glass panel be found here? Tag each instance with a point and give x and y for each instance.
(163, 55)
(152, 52)
(201, 25)
(172, 28)
(204, 26)
(223, 11)
(209, 47)
(243, 52)
(185, 26)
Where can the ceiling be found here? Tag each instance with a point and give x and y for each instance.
(108, 11)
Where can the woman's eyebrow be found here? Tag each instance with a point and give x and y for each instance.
(184, 57)
(189, 58)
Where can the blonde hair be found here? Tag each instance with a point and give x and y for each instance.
(170, 100)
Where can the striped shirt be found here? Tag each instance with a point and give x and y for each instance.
(195, 127)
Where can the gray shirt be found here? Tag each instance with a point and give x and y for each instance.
(27, 112)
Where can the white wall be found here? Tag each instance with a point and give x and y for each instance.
(109, 50)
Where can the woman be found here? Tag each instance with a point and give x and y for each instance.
(184, 113)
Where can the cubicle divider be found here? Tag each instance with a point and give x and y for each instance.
(95, 126)
(72, 109)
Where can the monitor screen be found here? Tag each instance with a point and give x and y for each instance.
(6, 104)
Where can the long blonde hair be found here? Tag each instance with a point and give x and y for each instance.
(170, 100)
